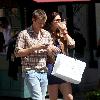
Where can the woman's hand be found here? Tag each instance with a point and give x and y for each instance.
(53, 50)
(62, 26)
(63, 29)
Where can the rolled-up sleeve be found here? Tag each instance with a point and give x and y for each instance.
(20, 42)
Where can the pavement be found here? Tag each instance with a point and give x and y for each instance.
(49, 99)
(16, 98)
(77, 97)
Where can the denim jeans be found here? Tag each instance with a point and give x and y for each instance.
(37, 84)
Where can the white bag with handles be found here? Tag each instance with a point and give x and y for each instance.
(68, 68)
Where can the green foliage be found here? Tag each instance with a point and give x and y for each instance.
(93, 95)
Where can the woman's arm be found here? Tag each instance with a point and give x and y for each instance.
(70, 41)
(64, 32)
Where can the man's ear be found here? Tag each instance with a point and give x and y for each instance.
(33, 19)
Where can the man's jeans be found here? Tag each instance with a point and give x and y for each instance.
(37, 84)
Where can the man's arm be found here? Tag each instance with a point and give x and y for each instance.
(20, 50)
(25, 52)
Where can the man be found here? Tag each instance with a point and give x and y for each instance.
(33, 46)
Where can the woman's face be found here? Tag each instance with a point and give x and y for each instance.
(56, 21)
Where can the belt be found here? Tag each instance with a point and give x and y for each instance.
(43, 69)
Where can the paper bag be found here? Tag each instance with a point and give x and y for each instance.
(68, 68)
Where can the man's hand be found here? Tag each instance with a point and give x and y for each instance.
(40, 46)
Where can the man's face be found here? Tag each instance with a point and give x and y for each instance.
(39, 22)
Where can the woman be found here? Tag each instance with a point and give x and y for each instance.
(62, 40)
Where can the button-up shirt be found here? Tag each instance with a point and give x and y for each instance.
(27, 38)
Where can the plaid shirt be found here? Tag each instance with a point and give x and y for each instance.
(26, 39)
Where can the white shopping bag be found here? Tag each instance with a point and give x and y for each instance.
(68, 68)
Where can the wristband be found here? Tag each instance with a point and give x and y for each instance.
(65, 33)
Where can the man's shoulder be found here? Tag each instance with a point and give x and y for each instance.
(23, 32)
(27, 30)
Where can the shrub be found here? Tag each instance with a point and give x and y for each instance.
(93, 95)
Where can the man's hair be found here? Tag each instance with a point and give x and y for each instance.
(39, 13)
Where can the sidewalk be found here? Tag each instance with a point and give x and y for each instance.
(57, 99)
(14, 98)
(78, 96)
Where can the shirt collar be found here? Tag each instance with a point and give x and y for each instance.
(31, 31)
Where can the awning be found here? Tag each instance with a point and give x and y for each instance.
(59, 0)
